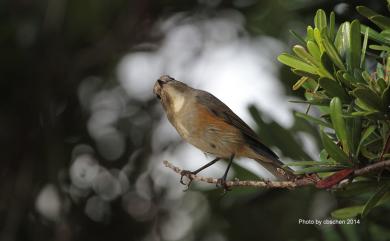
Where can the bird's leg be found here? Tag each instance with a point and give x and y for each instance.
(222, 181)
(187, 173)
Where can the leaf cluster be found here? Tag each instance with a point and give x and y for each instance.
(347, 79)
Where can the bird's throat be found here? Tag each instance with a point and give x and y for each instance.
(178, 102)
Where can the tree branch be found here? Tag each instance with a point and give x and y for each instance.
(371, 168)
(238, 183)
(305, 181)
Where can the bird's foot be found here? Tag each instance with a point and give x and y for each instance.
(267, 182)
(186, 173)
(221, 183)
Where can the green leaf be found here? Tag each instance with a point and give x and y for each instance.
(349, 212)
(365, 11)
(342, 39)
(318, 169)
(344, 80)
(363, 106)
(374, 200)
(296, 63)
(363, 113)
(298, 37)
(336, 115)
(331, 32)
(354, 131)
(305, 74)
(374, 35)
(313, 119)
(310, 33)
(311, 163)
(366, 76)
(333, 150)
(357, 76)
(368, 98)
(310, 85)
(379, 71)
(366, 133)
(354, 79)
(380, 20)
(320, 19)
(373, 115)
(318, 39)
(314, 50)
(332, 52)
(324, 156)
(385, 34)
(382, 84)
(354, 51)
(323, 102)
(301, 52)
(379, 47)
(364, 48)
(299, 83)
(333, 89)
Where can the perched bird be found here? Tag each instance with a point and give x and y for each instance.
(207, 123)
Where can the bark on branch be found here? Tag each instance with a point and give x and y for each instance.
(251, 183)
(305, 181)
(371, 168)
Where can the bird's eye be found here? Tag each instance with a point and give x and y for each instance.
(158, 96)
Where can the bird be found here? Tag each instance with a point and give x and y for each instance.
(207, 123)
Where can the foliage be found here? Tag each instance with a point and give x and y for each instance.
(347, 79)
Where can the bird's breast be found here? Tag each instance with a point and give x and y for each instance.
(207, 132)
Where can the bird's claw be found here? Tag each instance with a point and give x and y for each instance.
(187, 174)
(221, 183)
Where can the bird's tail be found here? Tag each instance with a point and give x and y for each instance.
(275, 167)
(269, 160)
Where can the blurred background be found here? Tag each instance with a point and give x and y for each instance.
(83, 138)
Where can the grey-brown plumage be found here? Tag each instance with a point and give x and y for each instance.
(207, 123)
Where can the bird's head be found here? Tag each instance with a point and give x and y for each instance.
(172, 93)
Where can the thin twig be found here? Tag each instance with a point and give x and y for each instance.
(305, 181)
(371, 168)
(238, 183)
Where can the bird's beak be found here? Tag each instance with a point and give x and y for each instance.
(164, 79)
(161, 82)
(159, 85)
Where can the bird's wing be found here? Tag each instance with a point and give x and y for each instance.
(219, 109)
